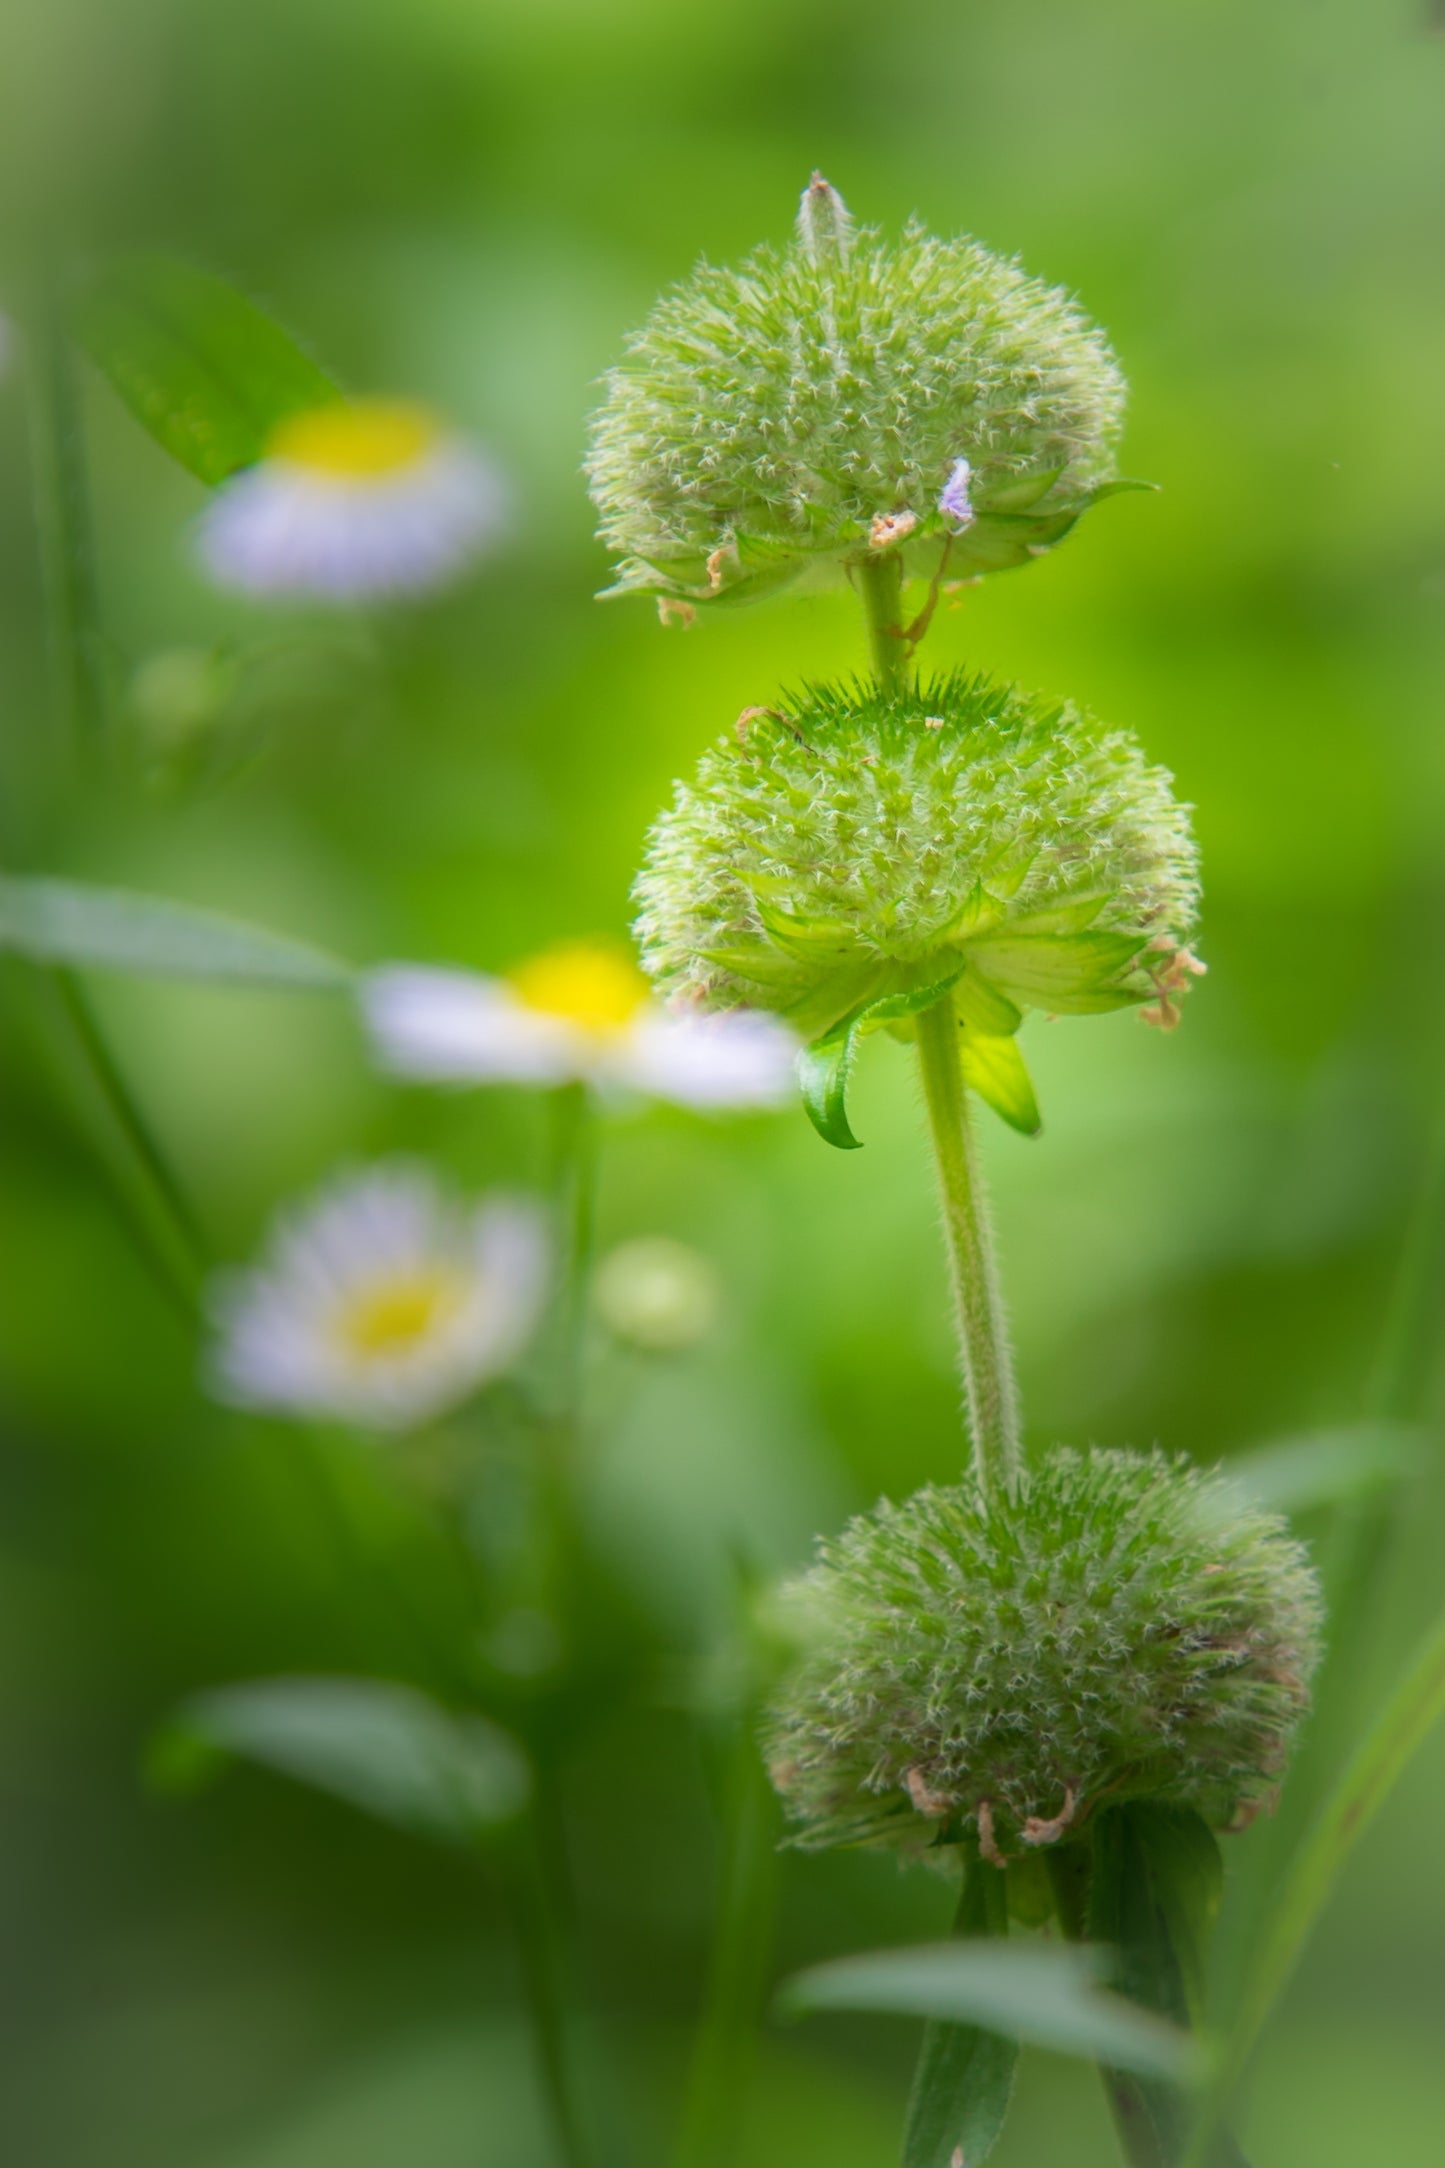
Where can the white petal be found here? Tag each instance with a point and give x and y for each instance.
(278, 1338)
(739, 1058)
(459, 1027)
(281, 528)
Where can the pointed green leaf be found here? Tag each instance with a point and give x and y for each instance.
(114, 929)
(1044, 1995)
(1068, 917)
(825, 1065)
(983, 1008)
(1006, 876)
(1120, 488)
(201, 367)
(810, 940)
(965, 2073)
(755, 964)
(888, 1007)
(823, 1069)
(1017, 495)
(996, 1070)
(1057, 971)
(387, 1749)
(979, 909)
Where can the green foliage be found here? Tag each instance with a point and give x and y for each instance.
(387, 1749)
(766, 417)
(1409, 1716)
(111, 929)
(1048, 1997)
(1123, 1627)
(201, 367)
(1154, 1890)
(863, 847)
(965, 2073)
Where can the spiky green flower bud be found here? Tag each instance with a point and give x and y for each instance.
(841, 398)
(1121, 1626)
(861, 855)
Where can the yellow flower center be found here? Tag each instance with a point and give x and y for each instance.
(391, 1316)
(355, 439)
(594, 984)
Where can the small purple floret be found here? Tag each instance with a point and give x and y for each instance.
(955, 503)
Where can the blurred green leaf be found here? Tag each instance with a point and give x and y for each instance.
(1049, 1997)
(996, 1070)
(114, 929)
(1060, 971)
(1411, 1714)
(1295, 1474)
(965, 2073)
(384, 1748)
(208, 373)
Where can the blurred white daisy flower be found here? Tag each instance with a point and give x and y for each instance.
(382, 1302)
(581, 1012)
(366, 497)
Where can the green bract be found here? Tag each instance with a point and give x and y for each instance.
(861, 855)
(1124, 1626)
(812, 406)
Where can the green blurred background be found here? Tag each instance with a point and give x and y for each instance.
(472, 203)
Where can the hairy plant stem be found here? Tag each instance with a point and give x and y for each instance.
(989, 1389)
(880, 583)
(738, 1966)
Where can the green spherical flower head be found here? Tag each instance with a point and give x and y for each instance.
(842, 398)
(864, 854)
(1123, 1626)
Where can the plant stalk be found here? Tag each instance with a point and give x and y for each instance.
(989, 1389)
(542, 1948)
(880, 582)
(125, 1111)
(737, 1969)
(67, 540)
(1144, 2141)
(574, 1187)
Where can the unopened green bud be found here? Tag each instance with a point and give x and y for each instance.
(657, 1294)
(1123, 1626)
(790, 418)
(863, 854)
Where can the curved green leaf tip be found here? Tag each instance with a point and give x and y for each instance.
(992, 1063)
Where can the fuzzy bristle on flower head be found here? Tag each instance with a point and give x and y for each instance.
(963, 834)
(778, 420)
(1124, 1626)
